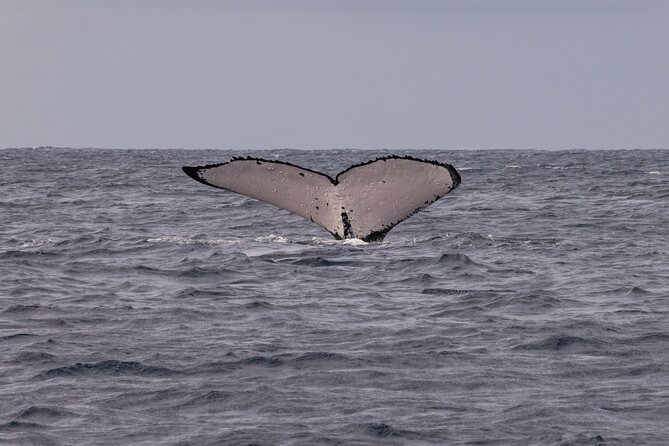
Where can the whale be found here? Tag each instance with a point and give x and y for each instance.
(364, 201)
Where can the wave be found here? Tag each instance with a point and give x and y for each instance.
(444, 291)
(28, 309)
(16, 336)
(562, 342)
(109, 367)
(43, 414)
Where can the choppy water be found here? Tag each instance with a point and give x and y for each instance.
(529, 306)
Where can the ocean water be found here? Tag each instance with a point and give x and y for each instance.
(528, 307)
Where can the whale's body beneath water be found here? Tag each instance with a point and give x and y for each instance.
(364, 201)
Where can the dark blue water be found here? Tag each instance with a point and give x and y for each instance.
(528, 307)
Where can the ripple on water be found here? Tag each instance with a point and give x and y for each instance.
(109, 367)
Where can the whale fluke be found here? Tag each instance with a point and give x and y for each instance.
(364, 201)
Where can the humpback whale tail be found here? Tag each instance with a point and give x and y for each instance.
(364, 201)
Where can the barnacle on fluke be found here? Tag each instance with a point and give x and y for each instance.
(371, 197)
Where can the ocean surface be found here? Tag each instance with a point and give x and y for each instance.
(530, 306)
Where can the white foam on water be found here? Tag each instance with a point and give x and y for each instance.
(273, 238)
(37, 243)
(176, 240)
(333, 242)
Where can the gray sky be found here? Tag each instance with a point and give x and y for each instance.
(335, 74)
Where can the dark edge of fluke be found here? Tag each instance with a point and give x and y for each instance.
(192, 171)
(454, 173)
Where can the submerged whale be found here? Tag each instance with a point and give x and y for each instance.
(364, 201)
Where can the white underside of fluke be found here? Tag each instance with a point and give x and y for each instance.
(365, 201)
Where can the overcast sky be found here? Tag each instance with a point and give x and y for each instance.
(335, 74)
